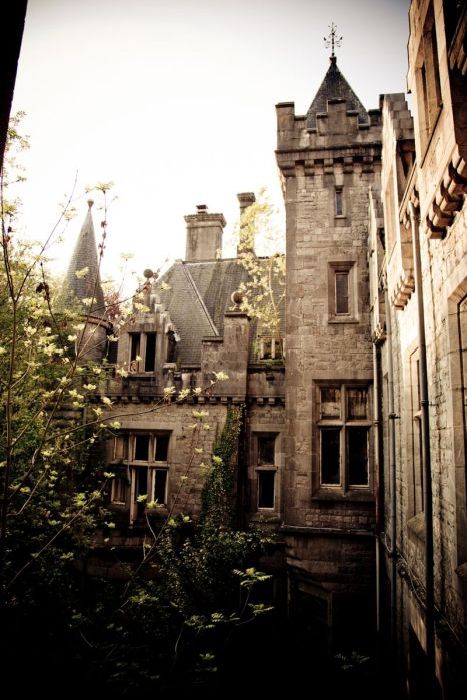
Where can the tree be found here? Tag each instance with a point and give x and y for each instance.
(263, 294)
(53, 488)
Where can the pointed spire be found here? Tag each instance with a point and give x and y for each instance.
(83, 278)
(335, 86)
(332, 40)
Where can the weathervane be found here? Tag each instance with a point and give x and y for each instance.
(332, 40)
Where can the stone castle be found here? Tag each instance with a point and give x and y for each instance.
(353, 444)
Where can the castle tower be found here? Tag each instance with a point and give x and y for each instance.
(83, 286)
(329, 159)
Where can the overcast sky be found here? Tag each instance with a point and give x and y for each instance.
(173, 100)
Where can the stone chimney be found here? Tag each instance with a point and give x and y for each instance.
(203, 235)
(245, 199)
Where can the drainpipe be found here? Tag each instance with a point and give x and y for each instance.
(379, 475)
(425, 429)
(392, 471)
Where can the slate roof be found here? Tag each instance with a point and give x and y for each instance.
(199, 295)
(85, 256)
(334, 85)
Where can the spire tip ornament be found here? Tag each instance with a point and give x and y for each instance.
(332, 40)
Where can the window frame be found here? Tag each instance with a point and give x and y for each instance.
(344, 423)
(416, 500)
(335, 268)
(339, 209)
(152, 465)
(139, 349)
(266, 467)
(428, 82)
(276, 345)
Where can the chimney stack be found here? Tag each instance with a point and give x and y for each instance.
(203, 235)
(245, 199)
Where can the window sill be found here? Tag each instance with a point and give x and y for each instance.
(329, 494)
(342, 319)
(265, 516)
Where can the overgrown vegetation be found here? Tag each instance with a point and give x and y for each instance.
(169, 622)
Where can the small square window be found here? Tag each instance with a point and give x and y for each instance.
(330, 402)
(357, 404)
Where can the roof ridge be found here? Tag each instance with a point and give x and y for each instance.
(200, 298)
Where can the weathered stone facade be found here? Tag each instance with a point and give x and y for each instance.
(328, 161)
(420, 343)
(353, 450)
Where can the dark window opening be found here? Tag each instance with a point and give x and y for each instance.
(266, 350)
(150, 357)
(160, 486)
(162, 448)
(330, 456)
(141, 489)
(357, 456)
(142, 448)
(342, 292)
(135, 344)
(266, 482)
(266, 447)
(339, 204)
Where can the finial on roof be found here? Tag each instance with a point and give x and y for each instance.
(90, 202)
(332, 40)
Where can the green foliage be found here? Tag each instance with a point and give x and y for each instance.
(218, 491)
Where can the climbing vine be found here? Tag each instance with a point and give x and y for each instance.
(218, 492)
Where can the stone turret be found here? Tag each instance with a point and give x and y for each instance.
(83, 287)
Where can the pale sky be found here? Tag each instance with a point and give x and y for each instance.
(173, 100)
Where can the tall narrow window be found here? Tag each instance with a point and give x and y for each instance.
(330, 456)
(161, 448)
(121, 447)
(342, 292)
(339, 202)
(135, 346)
(266, 471)
(160, 486)
(266, 482)
(140, 493)
(416, 411)
(141, 448)
(150, 356)
(357, 456)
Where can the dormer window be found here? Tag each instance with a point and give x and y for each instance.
(142, 352)
(270, 348)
